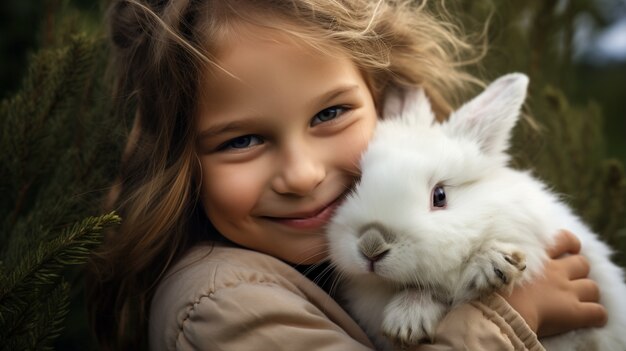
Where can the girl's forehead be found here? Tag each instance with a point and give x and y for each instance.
(270, 26)
(264, 61)
(258, 37)
(272, 85)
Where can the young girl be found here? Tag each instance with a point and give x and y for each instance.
(250, 120)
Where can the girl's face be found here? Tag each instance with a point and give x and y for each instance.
(279, 144)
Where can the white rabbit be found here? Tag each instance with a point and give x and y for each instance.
(438, 219)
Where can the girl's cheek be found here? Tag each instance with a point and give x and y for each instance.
(229, 190)
(357, 142)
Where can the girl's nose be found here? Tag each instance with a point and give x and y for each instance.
(299, 174)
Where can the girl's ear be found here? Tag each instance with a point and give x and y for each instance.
(411, 105)
(490, 117)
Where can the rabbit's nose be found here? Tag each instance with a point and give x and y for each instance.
(376, 231)
(374, 242)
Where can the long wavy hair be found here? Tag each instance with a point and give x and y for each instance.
(160, 48)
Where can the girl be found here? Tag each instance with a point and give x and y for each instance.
(250, 120)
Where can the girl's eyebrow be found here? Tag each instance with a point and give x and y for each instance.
(329, 96)
(325, 98)
(223, 128)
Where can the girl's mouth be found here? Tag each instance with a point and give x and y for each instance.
(313, 221)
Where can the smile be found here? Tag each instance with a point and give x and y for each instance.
(310, 220)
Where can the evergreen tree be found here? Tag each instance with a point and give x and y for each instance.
(60, 146)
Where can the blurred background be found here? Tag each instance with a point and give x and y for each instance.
(56, 111)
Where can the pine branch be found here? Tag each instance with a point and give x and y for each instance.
(37, 122)
(71, 247)
(42, 321)
(41, 269)
(50, 324)
(57, 162)
(60, 149)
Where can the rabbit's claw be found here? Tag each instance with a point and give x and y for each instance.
(495, 268)
(509, 270)
(412, 316)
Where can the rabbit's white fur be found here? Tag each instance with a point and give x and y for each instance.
(493, 232)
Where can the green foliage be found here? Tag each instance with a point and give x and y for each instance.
(58, 138)
(28, 25)
(33, 296)
(569, 154)
(565, 142)
(60, 147)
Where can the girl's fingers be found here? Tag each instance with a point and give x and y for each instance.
(566, 242)
(576, 266)
(595, 314)
(587, 290)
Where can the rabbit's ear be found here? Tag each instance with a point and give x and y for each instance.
(411, 105)
(490, 117)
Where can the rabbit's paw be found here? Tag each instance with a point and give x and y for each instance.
(494, 268)
(411, 316)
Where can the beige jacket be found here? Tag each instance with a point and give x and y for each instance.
(234, 299)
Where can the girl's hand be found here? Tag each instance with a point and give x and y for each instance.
(563, 299)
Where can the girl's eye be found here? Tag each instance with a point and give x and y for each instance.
(439, 197)
(241, 142)
(327, 114)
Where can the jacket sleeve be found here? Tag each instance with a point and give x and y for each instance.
(487, 324)
(260, 317)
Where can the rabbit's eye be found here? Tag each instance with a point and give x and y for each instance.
(439, 197)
